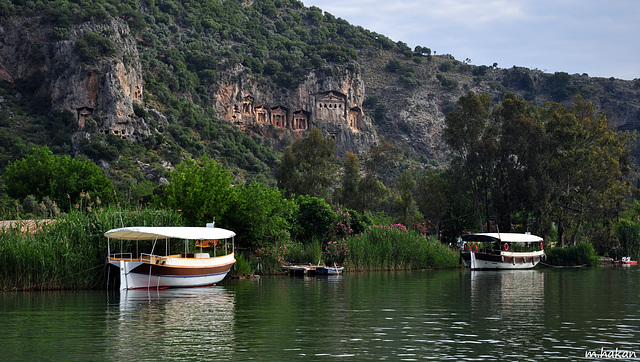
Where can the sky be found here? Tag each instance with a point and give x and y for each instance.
(597, 37)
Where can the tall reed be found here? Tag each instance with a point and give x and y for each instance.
(394, 247)
(69, 253)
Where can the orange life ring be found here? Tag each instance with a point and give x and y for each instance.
(505, 246)
(541, 246)
(474, 248)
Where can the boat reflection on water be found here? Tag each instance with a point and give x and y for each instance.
(151, 324)
(510, 302)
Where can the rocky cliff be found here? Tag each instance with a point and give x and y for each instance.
(102, 89)
(329, 100)
(106, 89)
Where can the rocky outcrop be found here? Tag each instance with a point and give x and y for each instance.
(330, 100)
(104, 90)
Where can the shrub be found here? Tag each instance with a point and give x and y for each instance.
(445, 66)
(627, 234)
(580, 254)
(93, 46)
(446, 82)
(299, 253)
(335, 252)
(315, 219)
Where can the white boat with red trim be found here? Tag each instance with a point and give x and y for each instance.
(192, 268)
(501, 250)
(626, 260)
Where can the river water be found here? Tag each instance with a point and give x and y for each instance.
(542, 314)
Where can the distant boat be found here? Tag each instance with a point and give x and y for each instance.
(329, 270)
(626, 260)
(501, 250)
(312, 269)
(188, 269)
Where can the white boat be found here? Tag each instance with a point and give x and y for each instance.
(329, 270)
(626, 260)
(188, 269)
(501, 250)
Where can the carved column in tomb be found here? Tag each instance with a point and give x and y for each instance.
(300, 120)
(137, 93)
(262, 115)
(279, 116)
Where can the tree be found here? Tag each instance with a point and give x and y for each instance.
(553, 166)
(288, 175)
(315, 219)
(61, 178)
(627, 235)
(378, 164)
(405, 201)
(472, 136)
(260, 214)
(201, 189)
(432, 199)
(308, 166)
(519, 155)
(586, 169)
(348, 194)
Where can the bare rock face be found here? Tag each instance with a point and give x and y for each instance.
(104, 90)
(331, 101)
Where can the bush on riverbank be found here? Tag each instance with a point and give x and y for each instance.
(580, 254)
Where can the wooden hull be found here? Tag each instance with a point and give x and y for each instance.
(497, 261)
(190, 272)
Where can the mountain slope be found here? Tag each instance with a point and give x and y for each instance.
(139, 86)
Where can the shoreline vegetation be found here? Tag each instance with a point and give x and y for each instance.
(69, 252)
(582, 254)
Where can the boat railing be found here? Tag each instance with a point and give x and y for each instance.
(122, 256)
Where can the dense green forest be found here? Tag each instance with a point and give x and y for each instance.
(560, 172)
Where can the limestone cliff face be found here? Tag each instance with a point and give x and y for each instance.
(103, 90)
(331, 101)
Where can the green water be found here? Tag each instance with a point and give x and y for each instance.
(541, 314)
